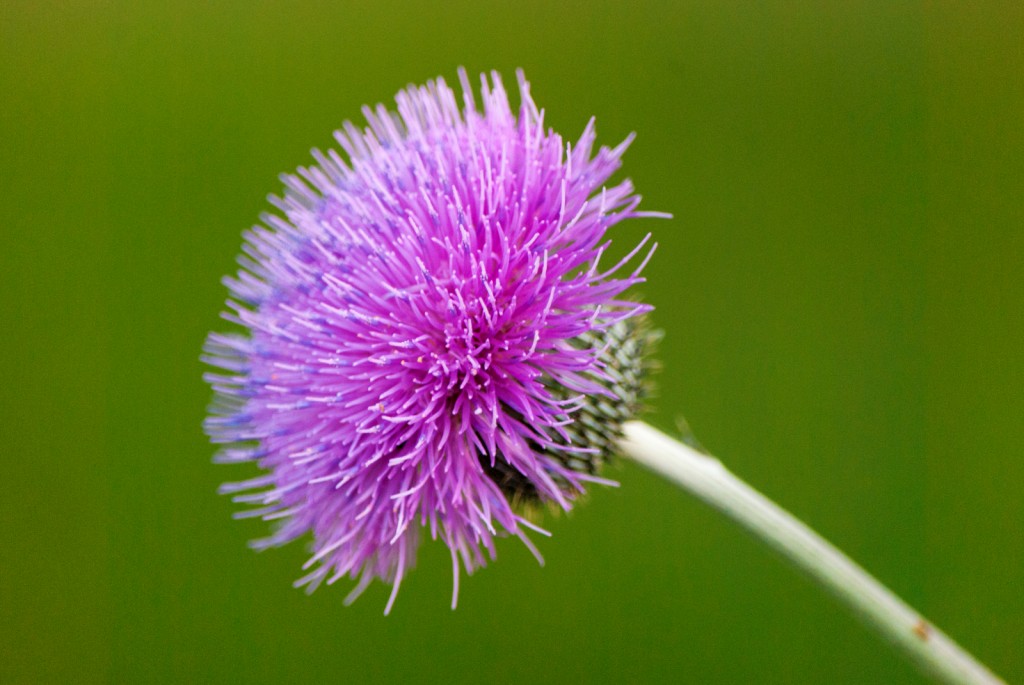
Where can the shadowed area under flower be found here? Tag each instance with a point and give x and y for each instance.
(413, 322)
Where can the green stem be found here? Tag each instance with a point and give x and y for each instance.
(707, 479)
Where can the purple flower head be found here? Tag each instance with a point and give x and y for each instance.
(428, 329)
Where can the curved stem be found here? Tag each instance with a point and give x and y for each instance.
(707, 479)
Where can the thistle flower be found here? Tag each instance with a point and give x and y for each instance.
(430, 340)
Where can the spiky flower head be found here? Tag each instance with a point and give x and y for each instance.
(429, 336)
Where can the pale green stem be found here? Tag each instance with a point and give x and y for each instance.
(707, 479)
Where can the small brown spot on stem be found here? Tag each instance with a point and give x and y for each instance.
(922, 629)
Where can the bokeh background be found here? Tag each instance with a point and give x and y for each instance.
(841, 291)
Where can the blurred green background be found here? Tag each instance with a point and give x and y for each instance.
(841, 291)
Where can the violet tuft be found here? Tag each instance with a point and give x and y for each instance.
(429, 340)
